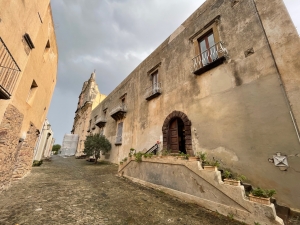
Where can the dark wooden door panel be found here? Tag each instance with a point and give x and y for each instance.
(173, 139)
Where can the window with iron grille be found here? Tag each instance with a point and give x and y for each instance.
(9, 72)
(155, 89)
(209, 49)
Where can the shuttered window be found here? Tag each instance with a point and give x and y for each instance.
(119, 134)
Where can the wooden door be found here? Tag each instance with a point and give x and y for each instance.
(173, 136)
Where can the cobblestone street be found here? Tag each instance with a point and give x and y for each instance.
(74, 191)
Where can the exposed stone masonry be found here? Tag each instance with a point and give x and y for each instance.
(9, 137)
(25, 155)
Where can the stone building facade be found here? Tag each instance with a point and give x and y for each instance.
(44, 143)
(226, 82)
(28, 67)
(89, 98)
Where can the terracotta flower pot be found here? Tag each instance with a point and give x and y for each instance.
(232, 182)
(261, 200)
(210, 168)
(194, 159)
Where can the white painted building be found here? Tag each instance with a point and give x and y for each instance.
(45, 142)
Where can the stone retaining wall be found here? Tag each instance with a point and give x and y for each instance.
(188, 181)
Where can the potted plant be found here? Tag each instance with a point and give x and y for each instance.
(230, 179)
(261, 196)
(195, 158)
(184, 156)
(131, 153)
(138, 156)
(165, 153)
(202, 157)
(211, 165)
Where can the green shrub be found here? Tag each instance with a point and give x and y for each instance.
(265, 193)
(138, 156)
(184, 156)
(201, 155)
(227, 174)
(37, 163)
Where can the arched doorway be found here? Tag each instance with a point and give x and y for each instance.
(177, 133)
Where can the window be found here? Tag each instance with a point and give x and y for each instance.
(154, 81)
(95, 119)
(90, 124)
(155, 89)
(119, 134)
(9, 72)
(32, 92)
(209, 49)
(28, 40)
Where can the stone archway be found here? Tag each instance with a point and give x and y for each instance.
(187, 128)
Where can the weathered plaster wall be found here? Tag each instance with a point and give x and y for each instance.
(238, 111)
(39, 64)
(42, 147)
(9, 144)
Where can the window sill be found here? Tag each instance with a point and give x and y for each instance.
(118, 143)
(156, 94)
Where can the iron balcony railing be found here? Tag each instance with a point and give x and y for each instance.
(118, 140)
(153, 91)
(209, 56)
(153, 149)
(9, 72)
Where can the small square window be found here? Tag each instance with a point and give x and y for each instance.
(32, 92)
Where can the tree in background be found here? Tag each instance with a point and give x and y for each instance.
(56, 148)
(96, 143)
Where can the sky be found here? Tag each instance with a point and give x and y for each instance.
(112, 37)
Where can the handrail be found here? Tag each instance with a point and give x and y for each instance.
(9, 71)
(153, 149)
(210, 55)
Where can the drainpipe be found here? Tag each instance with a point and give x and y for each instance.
(278, 73)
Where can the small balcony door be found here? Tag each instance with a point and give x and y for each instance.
(154, 82)
(208, 49)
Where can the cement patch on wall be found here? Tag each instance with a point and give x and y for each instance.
(188, 181)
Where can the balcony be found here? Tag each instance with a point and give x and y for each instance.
(118, 140)
(100, 122)
(9, 72)
(153, 91)
(119, 112)
(209, 59)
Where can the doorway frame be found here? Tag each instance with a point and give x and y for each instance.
(187, 127)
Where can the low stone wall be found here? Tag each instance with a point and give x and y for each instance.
(9, 138)
(188, 181)
(25, 155)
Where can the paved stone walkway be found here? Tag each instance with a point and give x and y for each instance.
(73, 191)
